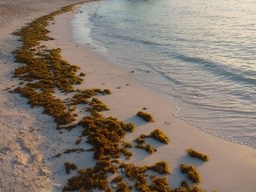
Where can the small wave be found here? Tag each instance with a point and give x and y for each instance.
(218, 69)
(134, 40)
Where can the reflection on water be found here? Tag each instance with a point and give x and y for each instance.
(202, 53)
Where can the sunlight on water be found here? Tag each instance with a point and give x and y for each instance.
(200, 52)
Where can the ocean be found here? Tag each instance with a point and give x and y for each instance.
(201, 53)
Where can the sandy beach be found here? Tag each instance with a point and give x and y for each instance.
(29, 139)
(21, 164)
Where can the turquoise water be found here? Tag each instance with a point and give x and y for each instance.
(202, 53)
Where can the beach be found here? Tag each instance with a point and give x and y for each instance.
(29, 139)
(22, 167)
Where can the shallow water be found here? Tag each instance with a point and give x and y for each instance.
(202, 53)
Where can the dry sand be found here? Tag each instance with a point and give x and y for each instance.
(22, 167)
(28, 138)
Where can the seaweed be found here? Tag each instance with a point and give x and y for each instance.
(126, 153)
(141, 139)
(195, 154)
(129, 127)
(117, 179)
(133, 172)
(158, 135)
(53, 107)
(147, 147)
(78, 150)
(160, 167)
(98, 105)
(82, 96)
(123, 187)
(191, 172)
(78, 141)
(70, 166)
(160, 185)
(145, 116)
(88, 179)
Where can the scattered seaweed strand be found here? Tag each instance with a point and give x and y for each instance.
(42, 72)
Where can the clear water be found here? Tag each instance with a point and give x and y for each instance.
(200, 52)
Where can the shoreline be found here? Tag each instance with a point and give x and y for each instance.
(222, 112)
(230, 164)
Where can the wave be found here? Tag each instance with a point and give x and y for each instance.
(226, 71)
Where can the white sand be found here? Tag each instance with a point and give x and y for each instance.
(22, 167)
(28, 137)
(231, 166)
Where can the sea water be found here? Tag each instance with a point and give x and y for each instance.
(200, 52)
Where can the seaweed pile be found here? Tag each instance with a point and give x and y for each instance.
(42, 73)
